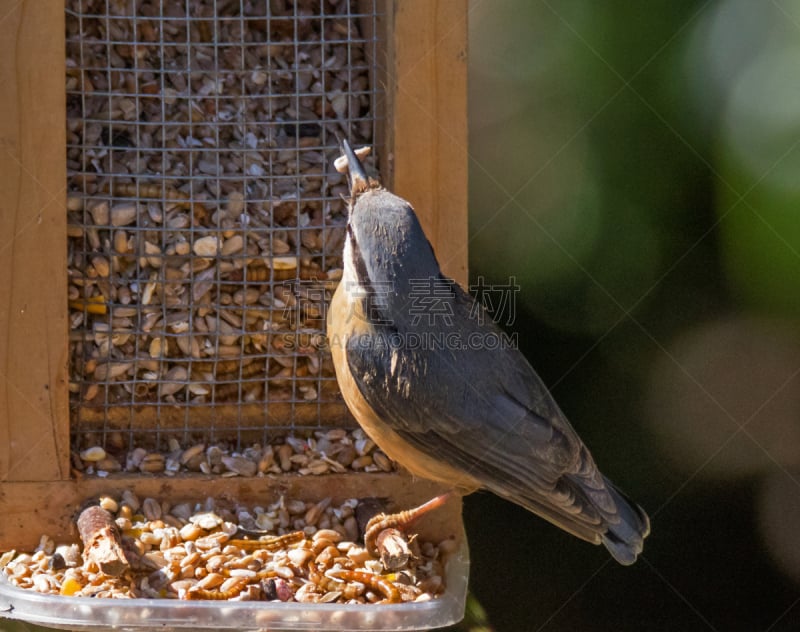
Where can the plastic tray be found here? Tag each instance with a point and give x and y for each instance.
(86, 613)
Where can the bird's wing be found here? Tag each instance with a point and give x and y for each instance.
(486, 412)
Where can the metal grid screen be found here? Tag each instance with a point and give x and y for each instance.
(205, 221)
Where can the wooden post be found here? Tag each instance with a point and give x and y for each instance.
(426, 86)
(34, 416)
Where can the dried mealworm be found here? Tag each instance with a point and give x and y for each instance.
(270, 543)
(375, 582)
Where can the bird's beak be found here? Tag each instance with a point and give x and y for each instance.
(359, 182)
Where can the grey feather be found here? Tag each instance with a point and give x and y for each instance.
(483, 410)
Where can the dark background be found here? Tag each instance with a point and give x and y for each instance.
(634, 166)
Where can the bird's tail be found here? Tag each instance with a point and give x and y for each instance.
(625, 538)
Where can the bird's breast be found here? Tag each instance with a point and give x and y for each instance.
(343, 323)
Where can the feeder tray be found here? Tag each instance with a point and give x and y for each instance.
(173, 234)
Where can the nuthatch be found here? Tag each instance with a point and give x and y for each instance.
(467, 414)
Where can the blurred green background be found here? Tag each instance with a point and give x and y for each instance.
(635, 166)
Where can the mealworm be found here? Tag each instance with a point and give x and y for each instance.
(375, 582)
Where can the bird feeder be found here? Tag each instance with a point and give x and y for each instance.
(171, 234)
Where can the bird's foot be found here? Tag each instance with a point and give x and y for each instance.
(385, 536)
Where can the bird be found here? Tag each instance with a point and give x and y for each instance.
(465, 413)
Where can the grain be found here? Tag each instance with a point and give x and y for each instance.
(207, 192)
(208, 559)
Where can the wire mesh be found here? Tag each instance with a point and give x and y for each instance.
(205, 220)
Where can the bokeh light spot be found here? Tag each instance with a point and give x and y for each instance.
(722, 375)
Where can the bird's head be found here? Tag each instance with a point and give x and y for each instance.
(386, 249)
(360, 182)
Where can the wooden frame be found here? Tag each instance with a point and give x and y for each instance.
(425, 160)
